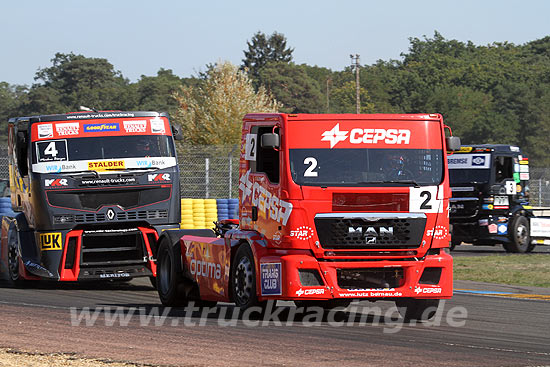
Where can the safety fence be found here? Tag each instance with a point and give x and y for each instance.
(212, 172)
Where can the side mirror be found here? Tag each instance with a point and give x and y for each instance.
(453, 143)
(270, 140)
(177, 132)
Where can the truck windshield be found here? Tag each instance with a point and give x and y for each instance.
(361, 167)
(465, 176)
(105, 147)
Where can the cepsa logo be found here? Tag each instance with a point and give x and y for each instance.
(159, 177)
(55, 182)
(105, 165)
(367, 136)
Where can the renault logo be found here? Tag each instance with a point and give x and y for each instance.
(110, 214)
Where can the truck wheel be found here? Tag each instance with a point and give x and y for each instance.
(243, 279)
(169, 280)
(417, 309)
(13, 255)
(520, 241)
(454, 243)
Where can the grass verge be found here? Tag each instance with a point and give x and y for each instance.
(520, 269)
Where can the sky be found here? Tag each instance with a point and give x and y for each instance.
(139, 37)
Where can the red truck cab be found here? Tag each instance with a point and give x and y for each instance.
(332, 208)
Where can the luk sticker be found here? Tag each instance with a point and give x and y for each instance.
(270, 275)
(50, 241)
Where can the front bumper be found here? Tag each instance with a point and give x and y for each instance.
(301, 276)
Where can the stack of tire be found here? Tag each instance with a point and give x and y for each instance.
(199, 215)
(5, 207)
(210, 212)
(223, 209)
(187, 214)
(233, 208)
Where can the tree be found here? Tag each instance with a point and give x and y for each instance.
(262, 50)
(212, 112)
(291, 85)
(80, 80)
(343, 99)
(156, 92)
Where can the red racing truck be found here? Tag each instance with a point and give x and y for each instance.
(332, 208)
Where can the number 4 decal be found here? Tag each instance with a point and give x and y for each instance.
(424, 200)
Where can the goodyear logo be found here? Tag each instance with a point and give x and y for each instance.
(105, 165)
(50, 241)
(92, 128)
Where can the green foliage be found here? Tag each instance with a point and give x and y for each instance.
(263, 50)
(293, 87)
(344, 99)
(153, 92)
(212, 112)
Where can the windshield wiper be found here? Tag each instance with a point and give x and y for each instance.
(404, 182)
(96, 174)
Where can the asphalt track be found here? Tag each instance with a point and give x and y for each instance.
(501, 329)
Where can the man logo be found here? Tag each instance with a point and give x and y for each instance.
(50, 241)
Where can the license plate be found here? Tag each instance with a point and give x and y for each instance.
(501, 200)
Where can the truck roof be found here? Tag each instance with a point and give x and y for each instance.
(346, 116)
(87, 116)
(498, 148)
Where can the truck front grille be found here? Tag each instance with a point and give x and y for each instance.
(100, 217)
(94, 199)
(105, 248)
(370, 230)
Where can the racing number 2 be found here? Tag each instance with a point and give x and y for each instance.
(426, 204)
(424, 199)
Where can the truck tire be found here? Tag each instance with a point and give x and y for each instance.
(520, 241)
(243, 279)
(13, 255)
(417, 309)
(453, 244)
(169, 279)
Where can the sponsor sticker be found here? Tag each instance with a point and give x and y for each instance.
(270, 276)
(139, 126)
(157, 126)
(56, 182)
(493, 228)
(45, 131)
(302, 233)
(502, 228)
(105, 165)
(438, 233)
(50, 241)
(67, 128)
(472, 161)
(159, 177)
(310, 292)
(94, 128)
(431, 290)
(366, 136)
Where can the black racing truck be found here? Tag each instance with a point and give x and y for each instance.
(490, 197)
(92, 192)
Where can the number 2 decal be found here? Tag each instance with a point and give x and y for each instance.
(424, 200)
(426, 204)
(312, 165)
(250, 148)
